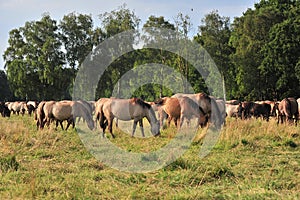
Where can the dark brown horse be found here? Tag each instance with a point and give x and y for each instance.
(244, 110)
(261, 110)
(5, 112)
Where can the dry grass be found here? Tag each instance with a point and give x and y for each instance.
(252, 160)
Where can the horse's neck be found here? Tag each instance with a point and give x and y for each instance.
(151, 116)
(80, 111)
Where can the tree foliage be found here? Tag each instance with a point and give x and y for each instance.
(257, 54)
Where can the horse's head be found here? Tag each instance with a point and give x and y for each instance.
(155, 129)
(90, 124)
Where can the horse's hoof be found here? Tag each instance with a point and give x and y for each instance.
(158, 134)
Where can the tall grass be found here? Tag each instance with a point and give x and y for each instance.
(252, 159)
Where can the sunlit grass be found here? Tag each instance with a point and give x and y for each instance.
(252, 159)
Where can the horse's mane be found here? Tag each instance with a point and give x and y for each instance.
(160, 101)
(141, 103)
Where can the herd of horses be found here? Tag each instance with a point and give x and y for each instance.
(179, 108)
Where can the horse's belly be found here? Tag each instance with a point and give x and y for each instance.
(125, 115)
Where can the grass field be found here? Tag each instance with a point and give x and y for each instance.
(252, 160)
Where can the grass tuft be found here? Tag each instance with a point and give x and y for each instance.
(8, 163)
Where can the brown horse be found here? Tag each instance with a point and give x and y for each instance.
(69, 111)
(208, 105)
(179, 109)
(98, 109)
(128, 109)
(18, 107)
(168, 107)
(39, 115)
(287, 108)
(47, 109)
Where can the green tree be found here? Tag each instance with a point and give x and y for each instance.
(114, 22)
(157, 31)
(34, 61)
(5, 93)
(214, 35)
(250, 34)
(78, 37)
(280, 65)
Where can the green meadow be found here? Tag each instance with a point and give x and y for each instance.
(252, 159)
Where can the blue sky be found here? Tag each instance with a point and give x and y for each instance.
(14, 13)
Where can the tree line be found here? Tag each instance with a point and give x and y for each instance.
(257, 54)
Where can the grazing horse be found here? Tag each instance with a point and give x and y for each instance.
(168, 107)
(262, 109)
(232, 110)
(233, 102)
(128, 109)
(98, 109)
(179, 109)
(19, 107)
(31, 106)
(47, 109)
(208, 105)
(69, 110)
(287, 108)
(244, 109)
(89, 105)
(5, 112)
(39, 115)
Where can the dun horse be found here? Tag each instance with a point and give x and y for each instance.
(61, 111)
(208, 105)
(128, 109)
(287, 108)
(179, 109)
(70, 110)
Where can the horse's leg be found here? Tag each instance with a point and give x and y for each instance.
(188, 122)
(56, 124)
(142, 127)
(61, 125)
(178, 123)
(110, 123)
(169, 120)
(117, 123)
(181, 119)
(37, 125)
(70, 121)
(134, 127)
(105, 125)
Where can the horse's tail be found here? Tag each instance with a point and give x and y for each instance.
(102, 119)
(288, 108)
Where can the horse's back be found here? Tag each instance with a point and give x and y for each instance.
(62, 110)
